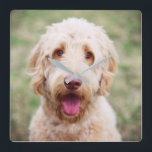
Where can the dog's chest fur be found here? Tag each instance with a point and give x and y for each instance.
(91, 128)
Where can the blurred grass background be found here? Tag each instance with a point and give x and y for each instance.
(123, 27)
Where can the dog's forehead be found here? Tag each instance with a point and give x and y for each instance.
(74, 46)
(76, 40)
(73, 39)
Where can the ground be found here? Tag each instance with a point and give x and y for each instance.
(123, 27)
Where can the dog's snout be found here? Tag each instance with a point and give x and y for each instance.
(72, 85)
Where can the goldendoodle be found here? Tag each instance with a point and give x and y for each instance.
(74, 111)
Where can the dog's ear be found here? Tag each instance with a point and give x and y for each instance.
(37, 64)
(110, 67)
(106, 76)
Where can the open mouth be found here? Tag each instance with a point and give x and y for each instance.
(71, 104)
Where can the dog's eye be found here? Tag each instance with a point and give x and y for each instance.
(57, 55)
(88, 55)
(59, 52)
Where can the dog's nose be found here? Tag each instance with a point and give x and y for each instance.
(72, 85)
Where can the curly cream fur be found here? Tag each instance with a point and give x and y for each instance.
(95, 120)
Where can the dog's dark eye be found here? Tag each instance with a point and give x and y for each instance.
(88, 55)
(59, 52)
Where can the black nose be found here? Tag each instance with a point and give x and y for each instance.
(72, 85)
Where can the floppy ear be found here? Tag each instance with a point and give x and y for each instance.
(107, 49)
(106, 76)
(37, 66)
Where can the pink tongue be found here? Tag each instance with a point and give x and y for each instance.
(71, 106)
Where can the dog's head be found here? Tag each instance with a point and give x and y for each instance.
(77, 44)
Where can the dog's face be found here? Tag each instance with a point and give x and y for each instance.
(77, 44)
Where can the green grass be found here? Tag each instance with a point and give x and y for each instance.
(123, 27)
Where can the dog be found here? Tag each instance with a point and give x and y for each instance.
(74, 111)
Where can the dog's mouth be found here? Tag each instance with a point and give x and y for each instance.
(70, 104)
